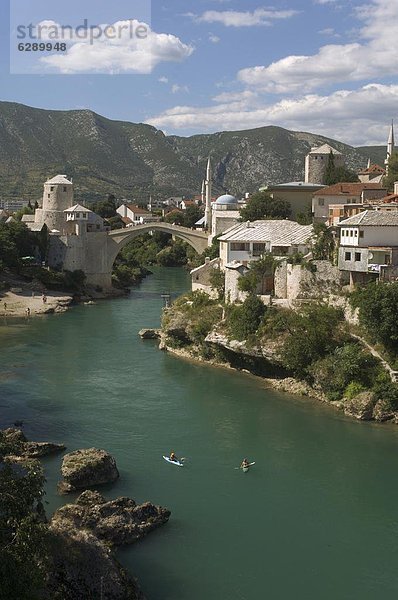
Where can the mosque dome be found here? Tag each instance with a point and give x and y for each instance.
(226, 199)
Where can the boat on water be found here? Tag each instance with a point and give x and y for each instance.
(245, 468)
(177, 462)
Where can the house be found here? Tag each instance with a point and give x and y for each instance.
(248, 241)
(134, 215)
(373, 173)
(184, 204)
(297, 193)
(12, 206)
(343, 193)
(369, 246)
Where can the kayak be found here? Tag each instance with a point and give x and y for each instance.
(173, 462)
(246, 468)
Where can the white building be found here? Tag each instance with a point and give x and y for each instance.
(369, 245)
(343, 193)
(224, 214)
(13, 205)
(135, 215)
(248, 241)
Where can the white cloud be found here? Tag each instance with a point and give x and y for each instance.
(125, 53)
(175, 88)
(163, 80)
(214, 39)
(324, 1)
(329, 31)
(375, 57)
(358, 117)
(234, 18)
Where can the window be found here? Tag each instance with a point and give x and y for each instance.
(48, 195)
(64, 188)
(258, 249)
(321, 201)
(347, 256)
(387, 259)
(52, 188)
(341, 212)
(355, 232)
(357, 256)
(239, 247)
(361, 234)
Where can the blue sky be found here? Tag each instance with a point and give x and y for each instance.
(324, 66)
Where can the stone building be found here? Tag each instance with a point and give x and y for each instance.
(77, 236)
(317, 160)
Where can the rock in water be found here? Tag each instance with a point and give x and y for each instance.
(85, 468)
(81, 567)
(361, 406)
(117, 522)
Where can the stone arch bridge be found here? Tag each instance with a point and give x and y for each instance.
(100, 256)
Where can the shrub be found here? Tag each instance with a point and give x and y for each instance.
(312, 334)
(353, 389)
(244, 320)
(385, 390)
(346, 365)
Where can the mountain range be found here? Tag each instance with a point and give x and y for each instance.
(134, 160)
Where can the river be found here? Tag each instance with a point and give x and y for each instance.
(315, 519)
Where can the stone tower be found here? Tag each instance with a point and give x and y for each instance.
(208, 195)
(57, 197)
(390, 146)
(316, 162)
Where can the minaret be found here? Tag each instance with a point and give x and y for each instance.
(390, 145)
(203, 192)
(208, 195)
(368, 165)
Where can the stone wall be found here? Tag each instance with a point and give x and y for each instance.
(201, 277)
(297, 282)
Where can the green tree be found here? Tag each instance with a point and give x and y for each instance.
(324, 244)
(311, 334)
(191, 215)
(389, 180)
(378, 309)
(348, 364)
(262, 206)
(335, 174)
(105, 208)
(23, 538)
(217, 281)
(245, 319)
(259, 270)
(175, 216)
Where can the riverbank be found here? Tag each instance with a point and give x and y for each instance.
(307, 352)
(25, 303)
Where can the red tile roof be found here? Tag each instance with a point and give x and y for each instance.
(372, 169)
(138, 209)
(344, 189)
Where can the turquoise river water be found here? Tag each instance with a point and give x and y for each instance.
(315, 519)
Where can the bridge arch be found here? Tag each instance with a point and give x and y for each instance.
(100, 256)
(197, 239)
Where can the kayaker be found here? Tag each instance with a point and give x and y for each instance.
(173, 456)
(245, 463)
